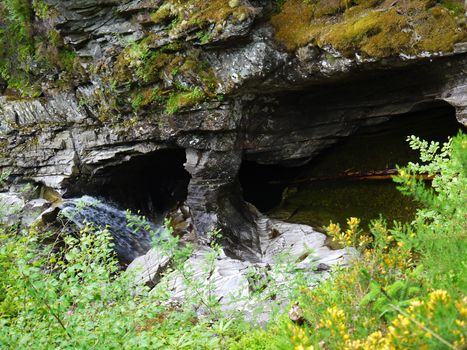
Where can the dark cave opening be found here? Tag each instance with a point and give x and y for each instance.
(264, 184)
(300, 193)
(150, 184)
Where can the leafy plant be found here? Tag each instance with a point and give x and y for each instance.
(407, 289)
(438, 232)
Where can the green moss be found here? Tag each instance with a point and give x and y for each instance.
(327, 7)
(136, 101)
(456, 7)
(186, 16)
(144, 98)
(293, 24)
(162, 14)
(27, 56)
(438, 31)
(156, 77)
(41, 9)
(376, 34)
(371, 28)
(181, 100)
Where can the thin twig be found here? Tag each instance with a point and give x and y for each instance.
(50, 309)
(437, 336)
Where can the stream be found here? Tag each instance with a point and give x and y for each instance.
(131, 235)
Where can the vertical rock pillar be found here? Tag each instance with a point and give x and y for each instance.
(216, 202)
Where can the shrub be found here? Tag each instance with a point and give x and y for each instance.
(407, 290)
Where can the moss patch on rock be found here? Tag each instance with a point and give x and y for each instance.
(371, 28)
(184, 99)
(31, 54)
(195, 15)
(163, 78)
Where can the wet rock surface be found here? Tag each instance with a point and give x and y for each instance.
(130, 236)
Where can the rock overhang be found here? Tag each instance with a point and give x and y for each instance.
(259, 102)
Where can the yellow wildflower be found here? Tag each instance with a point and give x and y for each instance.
(461, 306)
(353, 222)
(436, 297)
(301, 347)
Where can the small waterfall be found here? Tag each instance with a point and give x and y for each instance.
(131, 236)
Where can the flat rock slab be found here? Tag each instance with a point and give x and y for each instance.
(244, 286)
(149, 267)
(11, 206)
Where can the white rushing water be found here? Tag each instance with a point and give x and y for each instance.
(131, 236)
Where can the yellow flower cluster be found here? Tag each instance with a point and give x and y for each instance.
(394, 261)
(461, 306)
(436, 297)
(353, 236)
(411, 330)
(421, 325)
(353, 224)
(375, 341)
(334, 230)
(336, 323)
(300, 339)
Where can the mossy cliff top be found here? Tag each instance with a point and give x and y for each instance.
(186, 16)
(372, 28)
(169, 55)
(160, 68)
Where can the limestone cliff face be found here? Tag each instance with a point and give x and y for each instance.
(225, 81)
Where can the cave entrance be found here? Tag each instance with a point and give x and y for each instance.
(329, 188)
(263, 184)
(151, 184)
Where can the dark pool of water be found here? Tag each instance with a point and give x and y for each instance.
(318, 203)
(332, 197)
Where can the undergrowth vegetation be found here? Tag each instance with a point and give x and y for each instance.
(75, 298)
(408, 289)
(405, 290)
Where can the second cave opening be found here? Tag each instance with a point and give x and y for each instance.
(323, 190)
